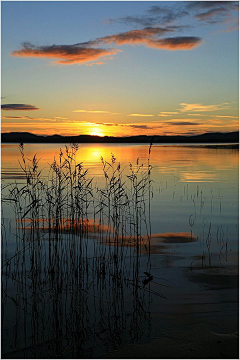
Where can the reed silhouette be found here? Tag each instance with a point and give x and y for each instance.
(77, 281)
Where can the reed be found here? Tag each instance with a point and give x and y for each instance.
(75, 277)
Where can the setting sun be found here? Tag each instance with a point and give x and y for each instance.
(96, 131)
(120, 179)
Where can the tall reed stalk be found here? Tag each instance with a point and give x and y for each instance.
(75, 272)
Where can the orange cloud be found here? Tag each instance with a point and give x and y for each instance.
(176, 43)
(31, 118)
(15, 117)
(231, 28)
(168, 113)
(226, 116)
(133, 36)
(65, 54)
(141, 115)
(210, 14)
(95, 112)
(85, 52)
(200, 107)
(148, 37)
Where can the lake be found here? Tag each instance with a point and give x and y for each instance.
(121, 254)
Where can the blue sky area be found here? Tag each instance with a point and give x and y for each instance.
(120, 68)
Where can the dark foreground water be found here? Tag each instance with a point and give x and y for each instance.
(122, 271)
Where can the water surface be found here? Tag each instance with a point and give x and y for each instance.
(191, 218)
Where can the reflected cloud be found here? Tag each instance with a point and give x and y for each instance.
(199, 176)
(67, 225)
(174, 238)
(159, 242)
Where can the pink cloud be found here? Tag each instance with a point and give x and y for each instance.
(65, 54)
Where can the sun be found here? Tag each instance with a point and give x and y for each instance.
(96, 132)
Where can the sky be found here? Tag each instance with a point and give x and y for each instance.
(120, 68)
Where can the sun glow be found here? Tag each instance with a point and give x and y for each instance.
(97, 131)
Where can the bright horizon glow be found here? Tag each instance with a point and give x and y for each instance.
(120, 69)
(96, 132)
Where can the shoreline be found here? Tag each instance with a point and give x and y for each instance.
(205, 145)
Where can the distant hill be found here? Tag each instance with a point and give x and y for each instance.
(26, 137)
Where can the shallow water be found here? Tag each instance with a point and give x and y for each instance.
(193, 259)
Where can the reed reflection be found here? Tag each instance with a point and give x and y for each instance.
(74, 296)
(84, 268)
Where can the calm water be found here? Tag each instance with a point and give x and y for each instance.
(193, 260)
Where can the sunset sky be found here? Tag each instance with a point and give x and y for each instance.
(120, 68)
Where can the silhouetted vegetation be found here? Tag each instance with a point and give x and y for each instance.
(16, 137)
(74, 283)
